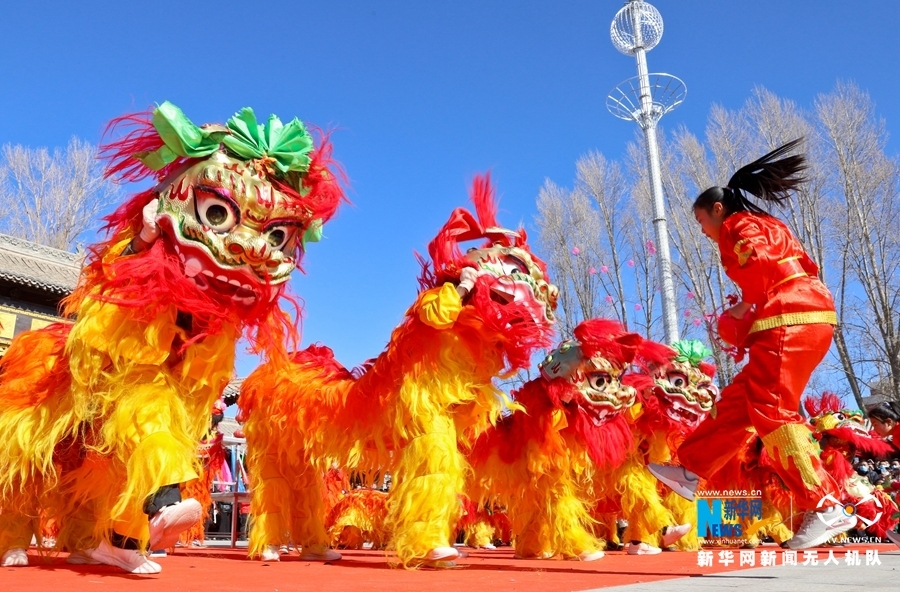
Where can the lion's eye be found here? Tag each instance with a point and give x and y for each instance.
(215, 211)
(599, 380)
(513, 265)
(677, 379)
(278, 236)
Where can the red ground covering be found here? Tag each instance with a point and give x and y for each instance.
(225, 570)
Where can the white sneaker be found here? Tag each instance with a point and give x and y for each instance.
(16, 557)
(442, 554)
(894, 537)
(127, 559)
(590, 555)
(329, 555)
(271, 553)
(818, 527)
(682, 481)
(80, 558)
(673, 533)
(490, 546)
(642, 549)
(167, 524)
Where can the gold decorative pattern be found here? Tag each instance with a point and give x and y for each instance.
(794, 441)
(7, 324)
(826, 317)
(790, 277)
(742, 255)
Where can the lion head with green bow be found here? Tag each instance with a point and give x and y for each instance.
(238, 202)
(683, 382)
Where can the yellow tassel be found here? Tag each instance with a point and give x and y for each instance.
(479, 534)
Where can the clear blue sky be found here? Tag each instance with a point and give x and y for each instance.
(422, 95)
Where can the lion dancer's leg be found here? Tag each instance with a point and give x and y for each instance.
(18, 523)
(480, 534)
(789, 356)
(423, 504)
(308, 515)
(771, 524)
(530, 526)
(550, 519)
(270, 507)
(77, 535)
(569, 523)
(150, 433)
(35, 415)
(685, 512)
(643, 508)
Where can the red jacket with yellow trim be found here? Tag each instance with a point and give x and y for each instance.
(762, 256)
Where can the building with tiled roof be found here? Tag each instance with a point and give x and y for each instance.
(33, 279)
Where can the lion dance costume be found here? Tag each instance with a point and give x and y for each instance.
(541, 463)
(479, 315)
(101, 420)
(843, 434)
(679, 396)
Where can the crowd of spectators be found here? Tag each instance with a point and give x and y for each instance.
(880, 473)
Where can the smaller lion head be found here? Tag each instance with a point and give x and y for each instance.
(594, 364)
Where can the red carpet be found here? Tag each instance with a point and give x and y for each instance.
(225, 570)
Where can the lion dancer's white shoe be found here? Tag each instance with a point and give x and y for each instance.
(442, 554)
(271, 553)
(165, 527)
(81, 558)
(591, 555)
(441, 557)
(16, 557)
(312, 555)
(130, 560)
(673, 533)
(640, 548)
(167, 524)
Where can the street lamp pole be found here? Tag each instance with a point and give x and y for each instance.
(635, 30)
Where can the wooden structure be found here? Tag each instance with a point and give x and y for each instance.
(33, 280)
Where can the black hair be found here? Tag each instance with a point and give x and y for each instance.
(771, 178)
(884, 411)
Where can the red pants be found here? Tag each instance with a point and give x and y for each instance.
(765, 396)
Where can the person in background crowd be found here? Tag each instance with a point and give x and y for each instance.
(885, 420)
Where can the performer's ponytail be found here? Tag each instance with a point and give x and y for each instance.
(771, 178)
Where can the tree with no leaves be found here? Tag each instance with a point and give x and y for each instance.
(863, 181)
(846, 215)
(51, 199)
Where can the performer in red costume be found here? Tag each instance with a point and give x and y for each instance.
(785, 320)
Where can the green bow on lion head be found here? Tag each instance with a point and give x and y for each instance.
(284, 147)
